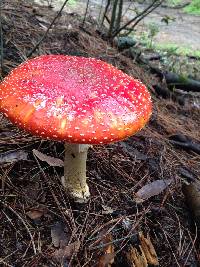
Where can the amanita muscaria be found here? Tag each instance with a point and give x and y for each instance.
(78, 100)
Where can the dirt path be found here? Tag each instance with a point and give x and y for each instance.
(184, 31)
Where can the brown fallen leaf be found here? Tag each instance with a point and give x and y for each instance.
(36, 213)
(55, 162)
(192, 195)
(58, 235)
(66, 252)
(148, 250)
(107, 259)
(136, 259)
(144, 255)
(151, 189)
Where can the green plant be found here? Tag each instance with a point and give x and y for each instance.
(193, 7)
(176, 59)
(153, 31)
(173, 2)
(143, 38)
(178, 50)
(146, 37)
(72, 2)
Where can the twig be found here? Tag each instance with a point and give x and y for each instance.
(193, 244)
(1, 39)
(47, 181)
(22, 220)
(86, 11)
(105, 12)
(45, 34)
(140, 16)
(131, 232)
(6, 257)
(5, 263)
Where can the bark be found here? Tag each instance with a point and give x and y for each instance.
(119, 15)
(113, 18)
(180, 82)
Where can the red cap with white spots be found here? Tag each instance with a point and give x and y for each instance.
(74, 99)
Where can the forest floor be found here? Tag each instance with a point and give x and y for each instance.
(40, 225)
(182, 29)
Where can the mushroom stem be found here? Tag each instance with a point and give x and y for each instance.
(75, 171)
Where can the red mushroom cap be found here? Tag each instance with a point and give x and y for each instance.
(74, 99)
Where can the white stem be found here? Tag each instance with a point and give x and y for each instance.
(75, 171)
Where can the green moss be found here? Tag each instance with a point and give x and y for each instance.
(193, 7)
(173, 2)
(72, 3)
(175, 49)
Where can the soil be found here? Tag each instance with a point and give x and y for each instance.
(40, 225)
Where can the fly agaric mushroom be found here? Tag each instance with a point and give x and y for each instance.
(78, 100)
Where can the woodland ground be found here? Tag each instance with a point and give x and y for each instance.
(32, 199)
(181, 30)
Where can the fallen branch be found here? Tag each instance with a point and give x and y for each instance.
(185, 142)
(180, 82)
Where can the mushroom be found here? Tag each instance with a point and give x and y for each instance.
(80, 101)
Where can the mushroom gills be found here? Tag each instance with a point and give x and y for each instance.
(74, 179)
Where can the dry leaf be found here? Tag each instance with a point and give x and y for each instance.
(145, 256)
(152, 189)
(135, 259)
(67, 251)
(192, 196)
(58, 235)
(107, 259)
(11, 157)
(148, 250)
(55, 162)
(36, 213)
